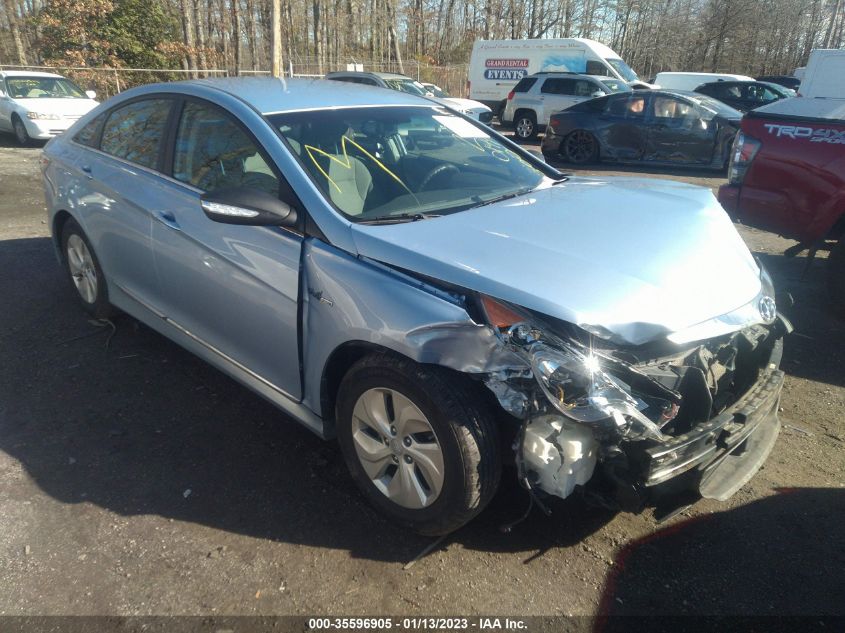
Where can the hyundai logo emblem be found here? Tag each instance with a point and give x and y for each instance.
(768, 309)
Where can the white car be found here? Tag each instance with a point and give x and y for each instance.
(402, 83)
(40, 105)
(471, 108)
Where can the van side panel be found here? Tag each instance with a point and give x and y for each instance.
(496, 66)
(825, 75)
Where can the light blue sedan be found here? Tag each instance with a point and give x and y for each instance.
(393, 274)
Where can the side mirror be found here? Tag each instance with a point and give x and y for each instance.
(90, 94)
(597, 94)
(246, 205)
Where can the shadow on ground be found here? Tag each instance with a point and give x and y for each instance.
(8, 141)
(130, 422)
(815, 350)
(788, 559)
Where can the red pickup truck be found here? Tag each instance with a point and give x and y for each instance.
(787, 175)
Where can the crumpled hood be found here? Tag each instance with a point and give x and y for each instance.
(634, 259)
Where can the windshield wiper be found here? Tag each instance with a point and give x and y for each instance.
(507, 196)
(396, 219)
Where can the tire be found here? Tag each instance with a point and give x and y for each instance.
(836, 277)
(19, 130)
(580, 148)
(525, 126)
(84, 272)
(413, 422)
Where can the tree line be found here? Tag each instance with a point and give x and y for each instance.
(743, 36)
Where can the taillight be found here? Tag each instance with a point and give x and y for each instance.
(554, 123)
(510, 95)
(744, 150)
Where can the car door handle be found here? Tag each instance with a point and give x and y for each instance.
(86, 169)
(168, 219)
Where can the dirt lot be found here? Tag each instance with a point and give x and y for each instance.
(135, 479)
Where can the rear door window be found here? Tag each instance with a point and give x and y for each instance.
(135, 132)
(213, 152)
(725, 91)
(558, 86)
(525, 84)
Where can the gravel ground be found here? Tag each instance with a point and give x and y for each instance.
(135, 479)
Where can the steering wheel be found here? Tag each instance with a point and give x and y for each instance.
(439, 170)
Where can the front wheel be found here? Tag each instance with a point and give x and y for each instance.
(21, 134)
(418, 441)
(525, 126)
(580, 147)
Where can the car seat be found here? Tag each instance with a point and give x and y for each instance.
(347, 179)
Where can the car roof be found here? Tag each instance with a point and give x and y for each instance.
(730, 82)
(26, 73)
(365, 73)
(270, 95)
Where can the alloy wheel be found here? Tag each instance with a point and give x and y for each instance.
(524, 128)
(20, 132)
(397, 448)
(579, 146)
(82, 270)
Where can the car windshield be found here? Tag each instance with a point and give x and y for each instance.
(406, 85)
(616, 85)
(623, 69)
(387, 164)
(717, 107)
(43, 88)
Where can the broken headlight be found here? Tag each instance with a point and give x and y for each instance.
(578, 387)
(573, 381)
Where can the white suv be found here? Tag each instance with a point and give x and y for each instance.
(536, 97)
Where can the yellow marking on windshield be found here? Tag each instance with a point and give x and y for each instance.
(347, 163)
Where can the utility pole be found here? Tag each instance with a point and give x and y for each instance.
(276, 48)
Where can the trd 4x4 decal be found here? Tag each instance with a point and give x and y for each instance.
(816, 135)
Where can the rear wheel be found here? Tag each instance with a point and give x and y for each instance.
(83, 270)
(836, 277)
(580, 147)
(418, 441)
(525, 125)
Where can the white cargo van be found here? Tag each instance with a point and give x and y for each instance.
(497, 65)
(691, 81)
(824, 76)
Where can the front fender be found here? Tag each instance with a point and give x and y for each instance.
(348, 299)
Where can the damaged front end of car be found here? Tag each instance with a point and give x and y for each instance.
(637, 425)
